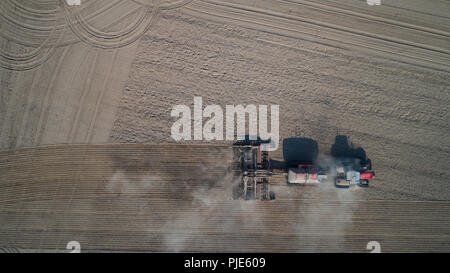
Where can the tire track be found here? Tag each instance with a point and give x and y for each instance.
(8, 133)
(415, 11)
(33, 58)
(43, 116)
(22, 132)
(12, 15)
(32, 10)
(216, 8)
(105, 40)
(7, 79)
(39, 14)
(86, 88)
(100, 96)
(26, 114)
(166, 5)
(330, 42)
(87, 33)
(45, 49)
(337, 10)
(327, 25)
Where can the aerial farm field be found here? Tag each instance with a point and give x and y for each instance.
(86, 152)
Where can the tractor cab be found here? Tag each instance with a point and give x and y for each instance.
(346, 177)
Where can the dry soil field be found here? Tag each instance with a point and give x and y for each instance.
(86, 94)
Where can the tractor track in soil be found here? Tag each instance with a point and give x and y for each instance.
(15, 14)
(416, 53)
